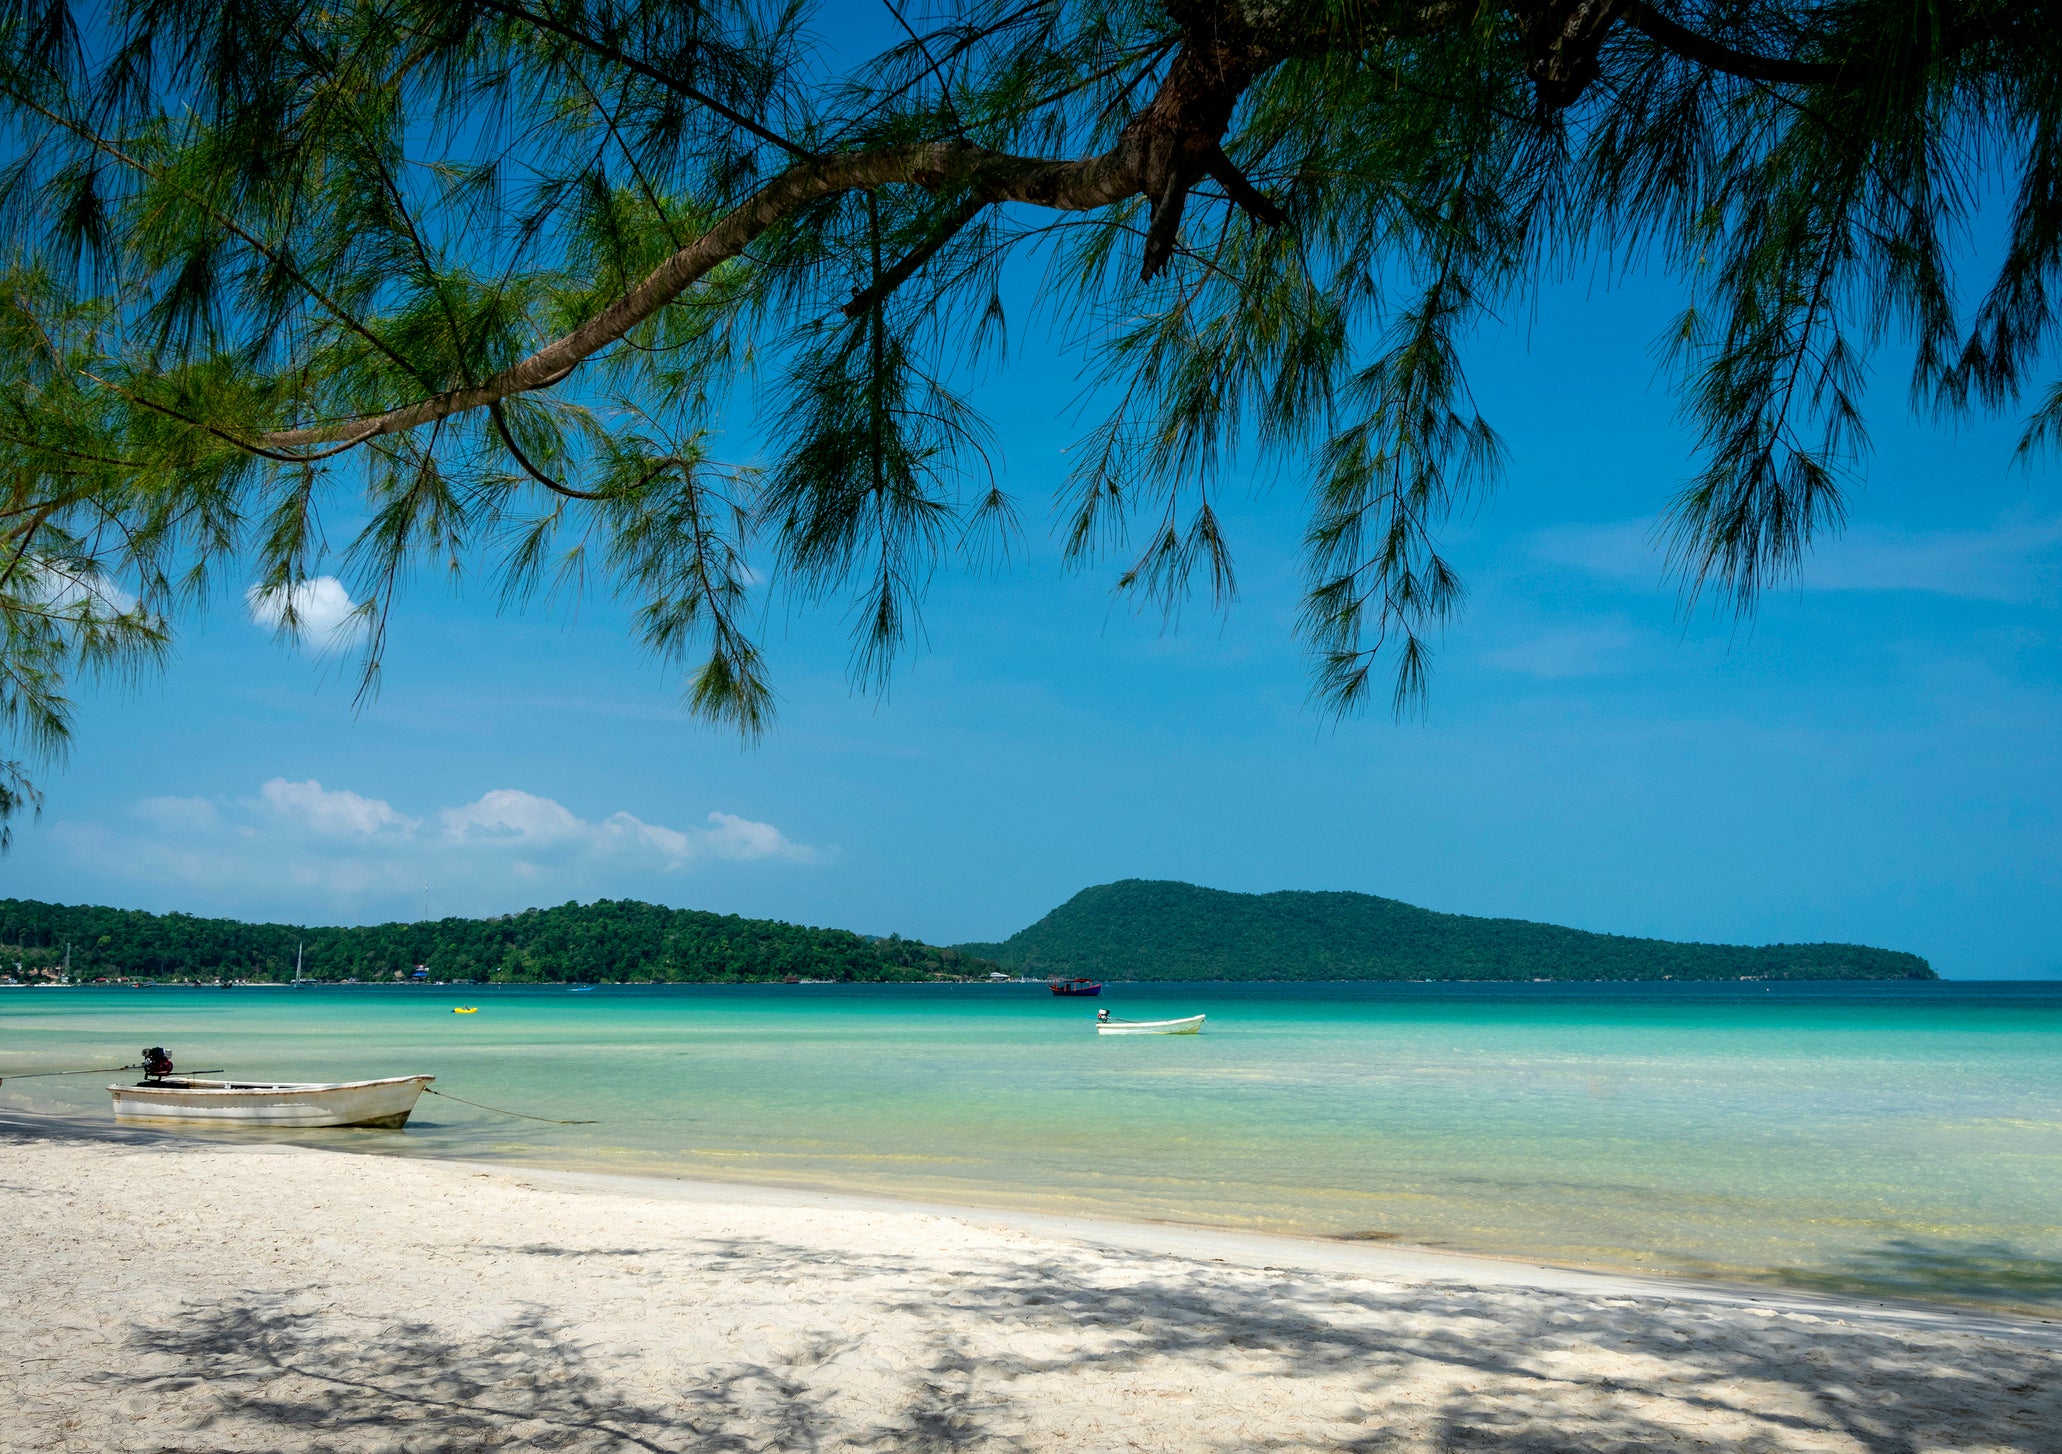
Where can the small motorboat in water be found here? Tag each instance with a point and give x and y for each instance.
(1193, 1025)
(271, 1103)
(163, 1097)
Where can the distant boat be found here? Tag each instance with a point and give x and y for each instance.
(1081, 987)
(581, 989)
(465, 1009)
(1193, 1025)
(270, 1103)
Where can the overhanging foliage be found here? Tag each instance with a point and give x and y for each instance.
(476, 282)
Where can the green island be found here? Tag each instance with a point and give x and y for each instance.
(610, 940)
(1145, 929)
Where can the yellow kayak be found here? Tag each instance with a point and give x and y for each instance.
(465, 1009)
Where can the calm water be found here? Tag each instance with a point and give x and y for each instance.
(1896, 1138)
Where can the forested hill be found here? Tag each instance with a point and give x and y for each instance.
(608, 940)
(1148, 929)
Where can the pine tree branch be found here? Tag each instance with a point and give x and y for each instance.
(1067, 186)
(1240, 189)
(942, 231)
(1717, 56)
(494, 412)
(617, 55)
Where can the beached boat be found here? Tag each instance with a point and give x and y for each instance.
(1082, 987)
(270, 1103)
(1193, 1025)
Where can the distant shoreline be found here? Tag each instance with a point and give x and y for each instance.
(1132, 931)
(971, 984)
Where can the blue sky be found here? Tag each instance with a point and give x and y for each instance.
(1873, 758)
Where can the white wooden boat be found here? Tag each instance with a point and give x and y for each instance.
(1193, 1025)
(270, 1103)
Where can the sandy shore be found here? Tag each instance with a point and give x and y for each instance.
(165, 1295)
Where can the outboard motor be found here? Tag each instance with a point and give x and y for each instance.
(156, 1064)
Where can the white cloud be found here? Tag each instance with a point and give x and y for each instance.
(2014, 560)
(517, 821)
(1623, 550)
(2017, 559)
(338, 814)
(624, 835)
(178, 815)
(505, 849)
(1574, 652)
(508, 817)
(322, 607)
(729, 836)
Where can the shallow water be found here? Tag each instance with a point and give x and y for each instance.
(1901, 1138)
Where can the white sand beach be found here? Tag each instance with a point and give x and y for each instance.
(169, 1295)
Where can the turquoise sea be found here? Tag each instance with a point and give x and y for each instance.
(1902, 1139)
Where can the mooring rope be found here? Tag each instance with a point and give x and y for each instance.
(547, 1120)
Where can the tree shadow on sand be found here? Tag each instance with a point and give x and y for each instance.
(526, 1385)
(1444, 1367)
(1507, 1388)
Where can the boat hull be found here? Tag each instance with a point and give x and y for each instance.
(381, 1103)
(1193, 1025)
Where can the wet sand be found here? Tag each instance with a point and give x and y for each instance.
(159, 1294)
